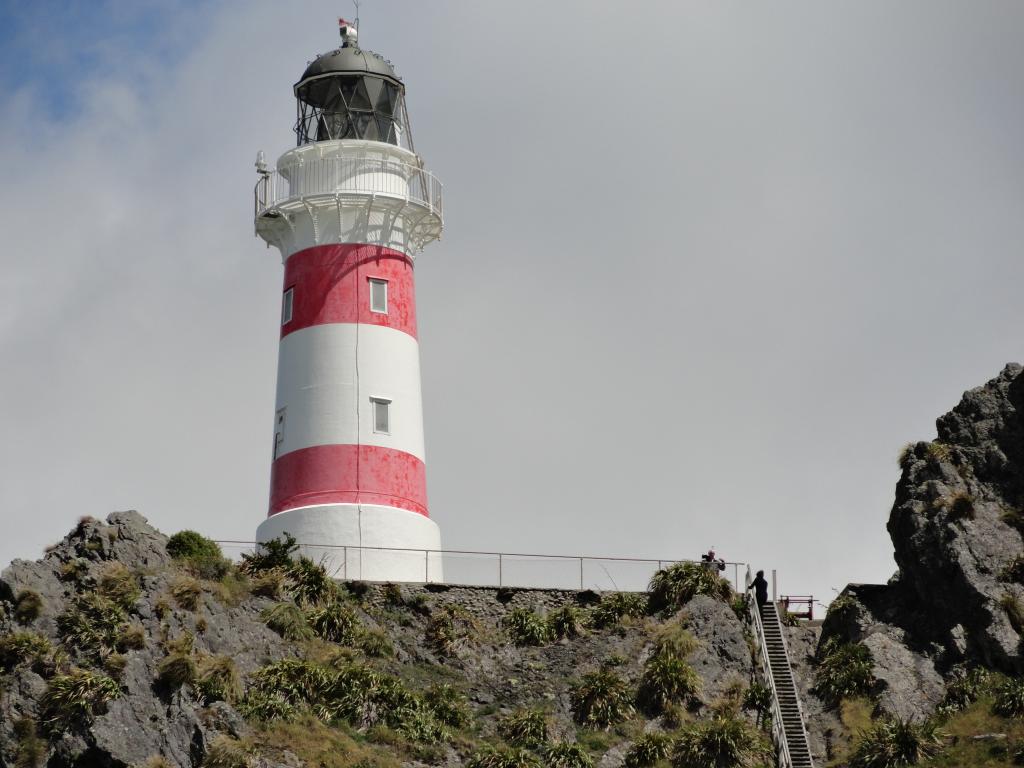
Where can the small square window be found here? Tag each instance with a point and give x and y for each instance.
(378, 295)
(286, 306)
(381, 415)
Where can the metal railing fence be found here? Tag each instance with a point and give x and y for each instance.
(504, 569)
(340, 176)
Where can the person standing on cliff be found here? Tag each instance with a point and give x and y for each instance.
(760, 587)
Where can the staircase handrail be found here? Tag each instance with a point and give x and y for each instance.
(778, 729)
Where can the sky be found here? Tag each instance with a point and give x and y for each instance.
(706, 267)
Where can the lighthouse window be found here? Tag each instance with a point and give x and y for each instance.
(379, 295)
(381, 415)
(286, 306)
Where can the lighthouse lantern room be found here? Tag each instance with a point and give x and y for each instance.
(349, 208)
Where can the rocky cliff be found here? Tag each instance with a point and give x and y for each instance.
(115, 653)
(956, 526)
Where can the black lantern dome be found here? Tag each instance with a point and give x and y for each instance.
(351, 93)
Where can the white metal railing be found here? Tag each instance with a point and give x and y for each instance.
(503, 569)
(341, 176)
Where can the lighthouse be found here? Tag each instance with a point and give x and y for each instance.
(349, 208)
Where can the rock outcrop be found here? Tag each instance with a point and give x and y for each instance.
(956, 530)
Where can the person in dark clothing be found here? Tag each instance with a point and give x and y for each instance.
(760, 587)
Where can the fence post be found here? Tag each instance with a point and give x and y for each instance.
(581, 574)
(775, 595)
(426, 566)
(499, 570)
(344, 565)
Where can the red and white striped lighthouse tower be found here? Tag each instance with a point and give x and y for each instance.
(349, 208)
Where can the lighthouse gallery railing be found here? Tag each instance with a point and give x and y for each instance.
(334, 176)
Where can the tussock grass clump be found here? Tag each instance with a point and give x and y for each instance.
(601, 699)
(334, 622)
(667, 680)
(450, 627)
(448, 705)
(201, 556)
(722, 742)
(648, 750)
(23, 648)
(844, 669)
(27, 606)
(524, 728)
(1009, 697)
(73, 570)
(617, 606)
(92, 624)
(375, 643)
(937, 452)
(525, 627)
(178, 668)
(225, 752)
(490, 757)
(674, 638)
(31, 750)
(895, 742)
(269, 584)
(132, 637)
(567, 622)
(186, 592)
(308, 583)
(565, 755)
(288, 620)
(964, 688)
(1014, 518)
(673, 587)
(1014, 572)
(76, 696)
(1014, 611)
(119, 585)
(217, 679)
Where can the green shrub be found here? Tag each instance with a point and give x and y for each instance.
(843, 609)
(269, 555)
(334, 622)
(199, 555)
(937, 452)
(673, 587)
(567, 622)
(266, 707)
(186, 592)
(1014, 611)
(758, 697)
(722, 742)
(617, 606)
(648, 750)
(27, 606)
(217, 679)
(76, 696)
(375, 643)
(393, 595)
(489, 757)
(309, 584)
(288, 620)
(844, 669)
(667, 679)
(225, 752)
(1009, 697)
(296, 681)
(526, 627)
(565, 756)
(963, 689)
(23, 648)
(896, 742)
(448, 704)
(31, 750)
(524, 728)
(92, 624)
(119, 585)
(601, 699)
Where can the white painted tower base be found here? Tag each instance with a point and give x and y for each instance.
(409, 542)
